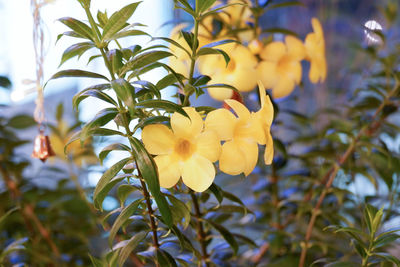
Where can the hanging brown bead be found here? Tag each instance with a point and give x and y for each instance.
(42, 147)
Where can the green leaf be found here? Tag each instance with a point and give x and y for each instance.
(376, 222)
(96, 262)
(5, 82)
(5, 215)
(77, 99)
(77, 73)
(125, 92)
(80, 28)
(205, 109)
(217, 192)
(204, 5)
(21, 122)
(127, 33)
(280, 30)
(173, 42)
(180, 211)
(102, 117)
(189, 38)
(102, 188)
(168, 80)
(75, 50)
(285, 4)
(118, 20)
(226, 235)
(213, 51)
(148, 170)
(384, 240)
(85, 3)
(151, 120)
(143, 60)
(164, 259)
(115, 57)
(14, 246)
(388, 257)
(162, 104)
(218, 43)
(123, 192)
(185, 242)
(130, 246)
(117, 146)
(127, 212)
(150, 86)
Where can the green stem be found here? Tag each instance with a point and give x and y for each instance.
(125, 120)
(202, 236)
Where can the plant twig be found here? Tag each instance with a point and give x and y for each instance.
(28, 213)
(331, 174)
(200, 230)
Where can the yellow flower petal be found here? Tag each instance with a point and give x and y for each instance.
(168, 170)
(158, 139)
(208, 145)
(283, 88)
(267, 109)
(269, 149)
(295, 48)
(222, 122)
(185, 127)
(273, 51)
(250, 151)
(266, 71)
(231, 160)
(198, 173)
(220, 93)
(241, 111)
(294, 71)
(316, 25)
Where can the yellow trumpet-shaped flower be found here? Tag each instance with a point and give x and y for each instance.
(181, 61)
(315, 48)
(186, 151)
(280, 69)
(242, 133)
(240, 72)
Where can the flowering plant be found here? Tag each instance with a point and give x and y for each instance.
(259, 181)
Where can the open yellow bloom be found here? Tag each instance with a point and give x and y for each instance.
(242, 133)
(315, 48)
(240, 72)
(186, 151)
(280, 69)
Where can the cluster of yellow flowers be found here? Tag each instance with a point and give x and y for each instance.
(190, 147)
(277, 64)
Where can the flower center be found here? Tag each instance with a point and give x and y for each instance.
(184, 148)
(284, 64)
(231, 65)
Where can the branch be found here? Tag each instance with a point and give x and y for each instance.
(200, 230)
(328, 179)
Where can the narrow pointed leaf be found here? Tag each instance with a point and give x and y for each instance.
(100, 190)
(162, 104)
(130, 246)
(127, 212)
(118, 20)
(148, 170)
(77, 73)
(78, 27)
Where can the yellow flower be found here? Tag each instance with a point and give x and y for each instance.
(80, 155)
(237, 15)
(181, 62)
(280, 69)
(315, 48)
(242, 133)
(240, 72)
(186, 151)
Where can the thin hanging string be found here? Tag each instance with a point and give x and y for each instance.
(38, 45)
